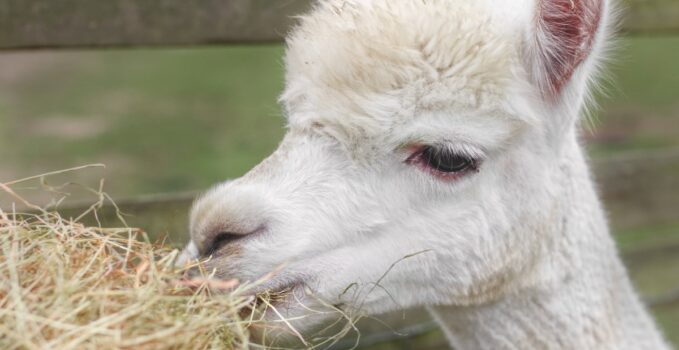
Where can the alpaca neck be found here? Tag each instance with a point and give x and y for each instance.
(580, 296)
(574, 318)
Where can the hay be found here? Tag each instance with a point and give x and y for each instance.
(64, 285)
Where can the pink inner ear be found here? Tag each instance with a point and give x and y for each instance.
(568, 30)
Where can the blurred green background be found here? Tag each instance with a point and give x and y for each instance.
(171, 120)
(182, 119)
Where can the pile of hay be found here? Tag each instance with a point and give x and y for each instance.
(67, 286)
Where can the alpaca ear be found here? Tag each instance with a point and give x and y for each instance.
(563, 38)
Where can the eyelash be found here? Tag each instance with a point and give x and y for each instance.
(432, 159)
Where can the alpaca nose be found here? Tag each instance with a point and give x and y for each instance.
(226, 217)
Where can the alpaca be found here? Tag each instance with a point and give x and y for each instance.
(432, 159)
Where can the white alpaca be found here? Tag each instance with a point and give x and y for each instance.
(449, 128)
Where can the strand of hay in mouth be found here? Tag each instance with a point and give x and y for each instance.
(67, 286)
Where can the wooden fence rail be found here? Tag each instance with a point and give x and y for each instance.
(32, 24)
(640, 188)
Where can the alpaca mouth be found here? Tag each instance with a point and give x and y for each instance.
(271, 298)
(276, 293)
(283, 296)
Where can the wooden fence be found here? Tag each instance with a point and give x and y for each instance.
(32, 24)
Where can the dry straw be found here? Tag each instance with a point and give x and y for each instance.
(64, 285)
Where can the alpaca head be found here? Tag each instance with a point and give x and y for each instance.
(418, 165)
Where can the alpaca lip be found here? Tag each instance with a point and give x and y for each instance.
(272, 295)
(278, 287)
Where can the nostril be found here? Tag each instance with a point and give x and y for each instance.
(221, 240)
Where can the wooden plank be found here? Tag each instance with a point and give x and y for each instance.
(640, 189)
(26, 24)
(31, 24)
(163, 216)
(650, 16)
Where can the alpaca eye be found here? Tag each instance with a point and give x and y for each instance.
(445, 161)
(442, 162)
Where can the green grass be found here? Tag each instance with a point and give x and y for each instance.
(170, 119)
(645, 69)
(640, 103)
(648, 237)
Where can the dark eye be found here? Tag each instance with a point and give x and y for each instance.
(442, 162)
(445, 161)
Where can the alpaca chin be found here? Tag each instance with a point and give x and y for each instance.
(294, 322)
